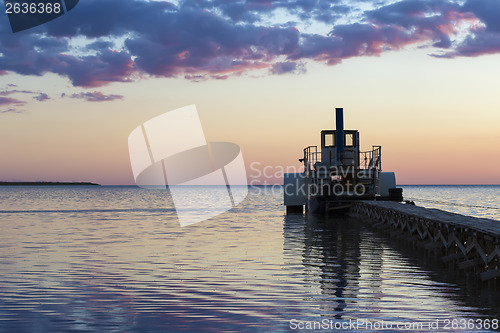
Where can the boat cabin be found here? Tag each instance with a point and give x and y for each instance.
(344, 152)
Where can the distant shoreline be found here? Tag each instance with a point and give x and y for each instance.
(48, 184)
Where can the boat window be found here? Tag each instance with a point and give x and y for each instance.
(349, 139)
(329, 140)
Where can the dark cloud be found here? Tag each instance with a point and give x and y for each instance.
(94, 71)
(484, 38)
(10, 101)
(12, 105)
(95, 96)
(6, 92)
(104, 41)
(433, 21)
(41, 97)
(476, 45)
(15, 91)
(488, 11)
(15, 102)
(251, 11)
(287, 67)
(11, 110)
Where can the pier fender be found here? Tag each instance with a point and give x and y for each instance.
(396, 194)
(294, 190)
(387, 181)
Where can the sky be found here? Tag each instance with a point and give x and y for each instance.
(419, 78)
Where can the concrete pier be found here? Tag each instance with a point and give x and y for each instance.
(471, 243)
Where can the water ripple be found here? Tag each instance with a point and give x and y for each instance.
(86, 261)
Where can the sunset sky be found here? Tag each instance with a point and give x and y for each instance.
(419, 78)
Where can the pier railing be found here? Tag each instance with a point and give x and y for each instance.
(471, 243)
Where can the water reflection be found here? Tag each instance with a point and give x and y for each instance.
(356, 272)
(331, 251)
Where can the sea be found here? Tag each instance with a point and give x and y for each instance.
(115, 259)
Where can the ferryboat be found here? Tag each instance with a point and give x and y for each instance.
(337, 174)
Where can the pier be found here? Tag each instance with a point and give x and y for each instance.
(471, 244)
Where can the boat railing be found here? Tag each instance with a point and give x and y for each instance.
(311, 156)
(368, 160)
(371, 159)
(363, 169)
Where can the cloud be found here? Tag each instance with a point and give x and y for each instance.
(484, 36)
(12, 104)
(488, 11)
(11, 110)
(9, 101)
(476, 45)
(15, 91)
(287, 67)
(95, 96)
(100, 41)
(15, 101)
(41, 97)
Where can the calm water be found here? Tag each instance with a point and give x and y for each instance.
(114, 259)
(472, 200)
